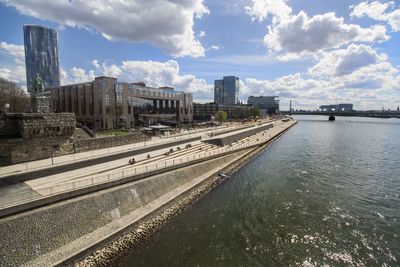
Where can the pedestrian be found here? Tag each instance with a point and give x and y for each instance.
(148, 156)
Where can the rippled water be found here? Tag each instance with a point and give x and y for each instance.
(324, 193)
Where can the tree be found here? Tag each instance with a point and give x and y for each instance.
(255, 112)
(221, 116)
(13, 94)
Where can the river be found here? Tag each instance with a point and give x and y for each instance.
(324, 193)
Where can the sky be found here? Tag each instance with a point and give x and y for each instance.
(312, 52)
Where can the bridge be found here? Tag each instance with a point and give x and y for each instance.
(373, 114)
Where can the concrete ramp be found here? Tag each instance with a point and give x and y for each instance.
(229, 138)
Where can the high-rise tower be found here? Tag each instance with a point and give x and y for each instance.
(41, 56)
(226, 91)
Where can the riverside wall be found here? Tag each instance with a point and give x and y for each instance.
(38, 232)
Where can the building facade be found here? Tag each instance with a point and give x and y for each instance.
(106, 103)
(266, 104)
(337, 108)
(226, 91)
(204, 112)
(41, 56)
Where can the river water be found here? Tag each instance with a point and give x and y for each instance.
(325, 193)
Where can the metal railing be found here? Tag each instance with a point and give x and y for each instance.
(16, 199)
(101, 152)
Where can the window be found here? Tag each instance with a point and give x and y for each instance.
(107, 99)
(118, 99)
(103, 82)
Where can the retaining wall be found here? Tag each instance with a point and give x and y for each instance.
(31, 234)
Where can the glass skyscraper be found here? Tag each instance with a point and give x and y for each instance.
(226, 91)
(41, 55)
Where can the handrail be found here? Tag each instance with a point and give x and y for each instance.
(92, 181)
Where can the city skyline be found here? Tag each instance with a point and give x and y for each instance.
(311, 52)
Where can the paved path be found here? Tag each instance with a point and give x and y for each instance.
(78, 157)
(33, 189)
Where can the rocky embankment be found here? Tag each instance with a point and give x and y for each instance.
(134, 237)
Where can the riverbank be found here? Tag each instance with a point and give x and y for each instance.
(135, 235)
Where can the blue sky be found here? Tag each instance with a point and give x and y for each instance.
(312, 52)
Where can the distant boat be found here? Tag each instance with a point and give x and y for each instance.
(331, 118)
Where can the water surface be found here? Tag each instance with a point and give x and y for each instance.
(324, 193)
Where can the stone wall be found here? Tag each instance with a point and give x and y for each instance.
(38, 125)
(32, 136)
(108, 141)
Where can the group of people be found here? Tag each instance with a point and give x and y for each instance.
(133, 161)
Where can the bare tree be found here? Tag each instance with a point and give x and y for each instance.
(13, 94)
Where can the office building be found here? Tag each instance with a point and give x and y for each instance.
(106, 103)
(337, 108)
(266, 104)
(41, 55)
(204, 112)
(226, 91)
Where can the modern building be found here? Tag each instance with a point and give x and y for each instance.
(226, 91)
(204, 112)
(41, 56)
(266, 104)
(337, 108)
(106, 103)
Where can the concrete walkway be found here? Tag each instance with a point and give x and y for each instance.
(83, 156)
(39, 188)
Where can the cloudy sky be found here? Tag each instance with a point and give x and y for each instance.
(312, 52)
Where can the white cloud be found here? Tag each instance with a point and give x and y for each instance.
(95, 63)
(378, 77)
(14, 72)
(76, 75)
(214, 47)
(202, 34)
(345, 61)
(13, 50)
(368, 87)
(165, 74)
(262, 8)
(301, 34)
(167, 24)
(377, 11)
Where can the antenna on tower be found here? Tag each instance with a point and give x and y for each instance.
(290, 108)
